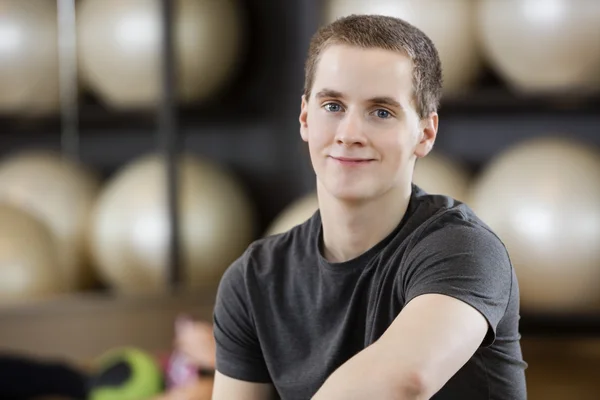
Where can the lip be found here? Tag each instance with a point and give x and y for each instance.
(352, 160)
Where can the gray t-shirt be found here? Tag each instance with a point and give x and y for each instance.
(286, 316)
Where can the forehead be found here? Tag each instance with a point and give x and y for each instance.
(366, 73)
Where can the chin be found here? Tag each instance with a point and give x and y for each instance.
(352, 192)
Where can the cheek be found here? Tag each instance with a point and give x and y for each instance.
(321, 128)
(396, 145)
(390, 139)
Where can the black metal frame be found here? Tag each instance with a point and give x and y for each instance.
(168, 137)
(69, 102)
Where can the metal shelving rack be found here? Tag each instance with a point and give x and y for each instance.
(278, 81)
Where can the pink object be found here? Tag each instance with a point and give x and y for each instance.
(179, 371)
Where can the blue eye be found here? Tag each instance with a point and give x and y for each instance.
(332, 107)
(383, 113)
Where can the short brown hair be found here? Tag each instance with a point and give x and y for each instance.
(388, 33)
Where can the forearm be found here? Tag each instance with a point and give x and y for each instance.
(364, 376)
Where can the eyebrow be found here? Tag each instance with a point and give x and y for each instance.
(329, 93)
(386, 100)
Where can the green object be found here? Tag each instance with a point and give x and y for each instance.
(126, 374)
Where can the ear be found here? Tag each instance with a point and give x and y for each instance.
(428, 133)
(304, 119)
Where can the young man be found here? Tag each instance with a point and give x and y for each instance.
(386, 292)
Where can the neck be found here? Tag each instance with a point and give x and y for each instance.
(350, 229)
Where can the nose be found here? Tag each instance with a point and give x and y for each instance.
(350, 131)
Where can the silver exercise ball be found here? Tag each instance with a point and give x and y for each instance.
(60, 193)
(29, 57)
(130, 228)
(542, 197)
(294, 214)
(449, 24)
(438, 173)
(29, 264)
(541, 46)
(120, 48)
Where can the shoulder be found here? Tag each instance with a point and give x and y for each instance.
(450, 222)
(449, 229)
(455, 253)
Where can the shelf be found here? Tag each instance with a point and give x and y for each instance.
(498, 99)
(80, 327)
(101, 300)
(486, 102)
(94, 117)
(560, 325)
(110, 148)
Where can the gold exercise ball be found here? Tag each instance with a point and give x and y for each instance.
(29, 57)
(130, 228)
(439, 174)
(542, 197)
(60, 193)
(449, 24)
(29, 267)
(542, 46)
(120, 48)
(294, 214)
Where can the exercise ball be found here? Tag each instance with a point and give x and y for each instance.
(126, 374)
(540, 46)
(449, 24)
(28, 57)
(29, 268)
(120, 48)
(542, 198)
(294, 214)
(60, 193)
(438, 173)
(130, 224)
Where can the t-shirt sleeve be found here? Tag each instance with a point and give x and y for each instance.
(239, 354)
(466, 262)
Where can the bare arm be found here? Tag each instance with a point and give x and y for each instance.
(430, 340)
(226, 388)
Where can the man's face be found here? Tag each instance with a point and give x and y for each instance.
(360, 123)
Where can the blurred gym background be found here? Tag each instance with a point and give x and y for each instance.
(98, 127)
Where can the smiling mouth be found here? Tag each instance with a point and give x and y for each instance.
(352, 161)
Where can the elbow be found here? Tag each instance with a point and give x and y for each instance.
(412, 386)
